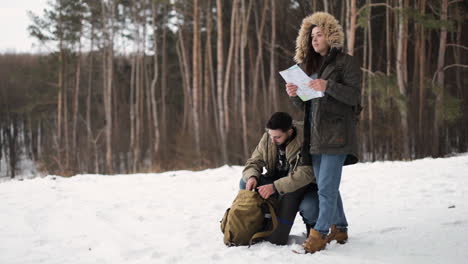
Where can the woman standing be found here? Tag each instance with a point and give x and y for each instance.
(330, 123)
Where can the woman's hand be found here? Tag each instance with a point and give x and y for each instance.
(291, 89)
(318, 85)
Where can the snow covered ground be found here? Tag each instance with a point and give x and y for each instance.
(399, 212)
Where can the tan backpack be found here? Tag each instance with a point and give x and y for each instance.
(248, 219)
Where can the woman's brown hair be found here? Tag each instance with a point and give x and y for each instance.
(313, 60)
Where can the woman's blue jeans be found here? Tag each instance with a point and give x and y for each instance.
(325, 207)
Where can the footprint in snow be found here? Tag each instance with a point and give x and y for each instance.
(391, 229)
(456, 223)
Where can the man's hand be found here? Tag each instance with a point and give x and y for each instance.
(251, 184)
(266, 190)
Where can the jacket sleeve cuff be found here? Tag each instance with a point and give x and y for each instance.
(253, 176)
(278, 187)
(246, 177)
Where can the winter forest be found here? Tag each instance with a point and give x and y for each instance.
(155, 85)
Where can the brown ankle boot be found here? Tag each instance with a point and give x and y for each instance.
(315, 242)
(341, 236)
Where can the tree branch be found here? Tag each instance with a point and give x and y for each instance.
(368, 71)
(433, 10)
(446, 67)
(454, 1)
(458, 46)
(373, 5)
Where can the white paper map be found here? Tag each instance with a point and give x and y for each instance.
(298, 77)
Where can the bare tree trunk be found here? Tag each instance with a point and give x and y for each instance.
(229, 63)
(164, 80)
(115, 125)
(138, 111)
(259, 60)
(236, 75)
(209, 75)
(388, 45)
(196, 76)
(154, 107)
(66, 120)
(11, 134)
(265, 89)
(351, 26)
(132, 102)
(365, 130)
(219, 79)
(61, 99)
(89, 95)
(206, 83)
(135, 148)
(436, 148)
(245, 21)
(463, 133)
(147, 84)
(272, 82)
(108, 74)
(39, 140)
(369, 89)
(76, 105)
(388, 38)
(422, 93)
(60, 107)
(201, 91)
(132, 110)
(401, 77)
(62, 104)
(343, 12)
(185, 72)
(325, 6)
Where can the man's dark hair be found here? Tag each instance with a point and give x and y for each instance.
(280, 120)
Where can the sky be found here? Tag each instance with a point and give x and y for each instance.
(14, 22)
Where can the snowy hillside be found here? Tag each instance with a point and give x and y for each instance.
(399, 212)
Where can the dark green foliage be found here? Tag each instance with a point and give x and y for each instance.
(385, 91)
(63, 21)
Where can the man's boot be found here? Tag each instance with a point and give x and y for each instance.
(315, 242)
(340, 235)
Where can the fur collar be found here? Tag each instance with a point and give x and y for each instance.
(332, 30)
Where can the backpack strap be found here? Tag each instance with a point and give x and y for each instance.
(268, 232)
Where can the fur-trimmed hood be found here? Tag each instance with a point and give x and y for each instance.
(330, 26)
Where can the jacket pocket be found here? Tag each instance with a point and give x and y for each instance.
(333, 130)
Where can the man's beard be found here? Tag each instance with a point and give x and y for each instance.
(284, 142)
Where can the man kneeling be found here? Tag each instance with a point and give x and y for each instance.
(279, 152)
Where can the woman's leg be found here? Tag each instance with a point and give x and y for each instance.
(309, 207)
(328, 170)
(340, 217)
